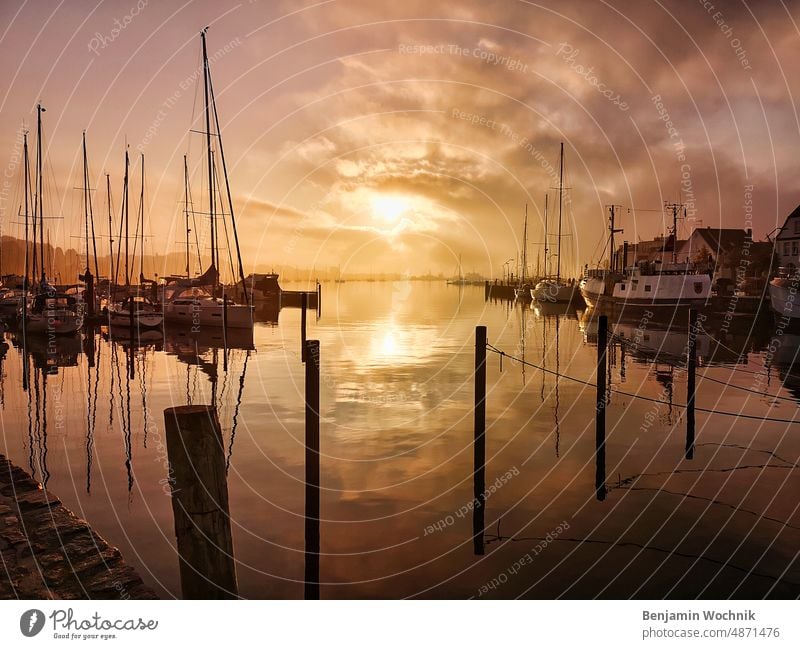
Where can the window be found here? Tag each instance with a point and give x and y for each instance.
(786, 248)
(622, 287)
(797, 226)
(794, 249)
(647, 288)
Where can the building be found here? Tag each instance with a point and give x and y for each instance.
(787, 241)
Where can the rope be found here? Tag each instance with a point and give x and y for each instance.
(641, 397)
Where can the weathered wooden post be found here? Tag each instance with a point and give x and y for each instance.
(312, 471)
(200, 502)
(691, 367)
(319, 300)
(479, 444)
(600, 409)
(303, 309)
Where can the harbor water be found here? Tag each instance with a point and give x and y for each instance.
(396, 440)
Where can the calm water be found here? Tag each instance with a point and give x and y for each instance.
(396, 443)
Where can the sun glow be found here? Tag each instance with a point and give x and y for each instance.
(389, 207)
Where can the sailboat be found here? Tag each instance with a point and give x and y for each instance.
(554, 289)
(135, 312)
(522, 291)
(47, 311)
(197, 301)
(461, 280)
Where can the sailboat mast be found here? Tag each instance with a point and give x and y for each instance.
(186, 210)
(228, 189)
(39, 209)
(110, 236)
(560, 206)
(210, 155)
(546, 249)
(125, 219)
(27, 209)
(85, 200)
(141, 226)
(525, 244)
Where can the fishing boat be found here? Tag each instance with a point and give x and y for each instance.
(597, 284)
(460, 280)
(556, 289)
(202, 301)
(10, 302)
(660, 286)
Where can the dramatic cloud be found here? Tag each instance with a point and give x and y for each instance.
(395, 137)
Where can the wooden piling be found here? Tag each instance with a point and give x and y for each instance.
(479, 444)
(600, 409)
(311, 590)
(200, 502)
(691, 368)
(319, 300)
(303, 316)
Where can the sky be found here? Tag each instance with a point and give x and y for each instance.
(398, 137)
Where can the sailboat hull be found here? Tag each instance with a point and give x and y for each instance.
(206, 313)
(55, 323)
(141, 320)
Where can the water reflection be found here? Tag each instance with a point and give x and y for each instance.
(397, 394)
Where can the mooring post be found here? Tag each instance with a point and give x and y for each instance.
(479, 445)
(303, 309)
(200, 502)
(600, 409)
(312, 471)
(691, 367)
(319, 300)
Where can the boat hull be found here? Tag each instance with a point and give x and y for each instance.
(59, 324)
(201, 314)
(141, 320)
(554, 292)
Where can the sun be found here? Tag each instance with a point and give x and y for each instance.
(389, 207)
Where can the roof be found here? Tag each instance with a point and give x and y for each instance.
(794, 215)
(722, 239)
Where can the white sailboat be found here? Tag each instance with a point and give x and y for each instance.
(46, 311)
(134, 312)
(522, 291)
(555, 289)
(201, 301)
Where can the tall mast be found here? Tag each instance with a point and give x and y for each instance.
(546, 249)
(141, 226)
(89, 210)
(27, 210)
(125, 219)
(110, 235)
(186, 210)
(525, 244)
(39, 209)
(560, 204)
(85, 200)
(210, 156)
(227, 186)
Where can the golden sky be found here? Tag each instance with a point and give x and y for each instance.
(396, 136)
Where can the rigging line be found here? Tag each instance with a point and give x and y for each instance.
(642, 397)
